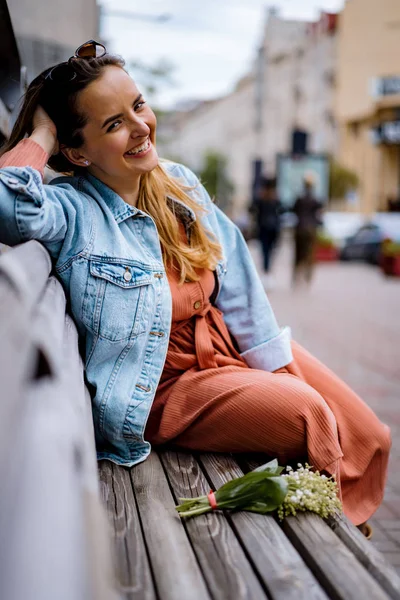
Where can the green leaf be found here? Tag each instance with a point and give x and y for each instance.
(251, 488)
(270, 467)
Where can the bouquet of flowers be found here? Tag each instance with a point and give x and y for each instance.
(267, 489)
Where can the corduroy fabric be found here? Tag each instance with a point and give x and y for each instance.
(210, 400)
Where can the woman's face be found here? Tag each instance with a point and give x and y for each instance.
(119, 137)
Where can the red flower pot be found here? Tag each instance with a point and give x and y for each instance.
(390, 265)
(325, 253)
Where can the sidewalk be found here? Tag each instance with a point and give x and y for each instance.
(349, 318)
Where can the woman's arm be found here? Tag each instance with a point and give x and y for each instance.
(28, 153)
(28, 208)
(242, 298)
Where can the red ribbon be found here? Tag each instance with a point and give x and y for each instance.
(212, 500)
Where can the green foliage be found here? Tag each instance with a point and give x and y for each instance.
(341, 180)
(267, 489)
(390, 248)
(262, 491)
(324, 240)
(214, 178)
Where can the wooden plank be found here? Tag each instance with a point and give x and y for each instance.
(282, 570)
(48, 327)
(339, 571)
(27, 267)
(224, 563)
(372, 559)
(130, 559)
(42, 542)
(53, 539)
(23, 275)
(176, 572)
(100, 572)
(17, 359)
(72, 368)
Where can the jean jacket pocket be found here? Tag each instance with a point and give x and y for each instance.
(114, 298)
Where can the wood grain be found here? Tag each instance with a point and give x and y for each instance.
(224, 564)
(53, 541)
(131, 563)
(338, 570)
(176, 571)
(23, 275)
(282, 570)
(373, 561)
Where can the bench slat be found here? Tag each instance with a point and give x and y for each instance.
(368, 555)
(176, 571)
(53, 542)
(16, 363)
(281, 568)
(23, 275)
(100, 572)
(224, 564)
(338, 570)
(132, 566)
(44, 531)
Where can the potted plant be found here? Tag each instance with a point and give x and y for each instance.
(390, 258)
(325, 248)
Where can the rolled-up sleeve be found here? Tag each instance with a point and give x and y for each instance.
(242, 298)
(271, 355)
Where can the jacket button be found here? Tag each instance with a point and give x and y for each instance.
(127, 275)
(197, 305)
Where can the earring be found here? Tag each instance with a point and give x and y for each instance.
(86, 162)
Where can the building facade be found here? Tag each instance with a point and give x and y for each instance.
(290, 86)
(368, 99)
(225, 126)
(50, 32)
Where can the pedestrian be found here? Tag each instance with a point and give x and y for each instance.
(308, 212)
(179, 341)
(266, 209)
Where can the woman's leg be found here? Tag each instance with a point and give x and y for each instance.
(364, 440)
(233, 409)
(302, 410)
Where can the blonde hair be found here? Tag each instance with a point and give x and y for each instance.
(203, 251)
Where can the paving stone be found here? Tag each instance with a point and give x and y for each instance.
(390, 524)
(385, 546)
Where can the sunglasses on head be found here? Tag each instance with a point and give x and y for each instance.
(64, 72)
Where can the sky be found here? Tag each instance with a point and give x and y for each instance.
(210, 43)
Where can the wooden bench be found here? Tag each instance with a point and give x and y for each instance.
(54, 539)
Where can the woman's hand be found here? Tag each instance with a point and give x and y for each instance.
(45, 132)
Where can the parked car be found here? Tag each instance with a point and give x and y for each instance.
(366, 243)
(339, 226)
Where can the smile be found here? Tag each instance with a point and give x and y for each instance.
(139, 151)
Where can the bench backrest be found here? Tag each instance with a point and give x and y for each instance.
(53, 532)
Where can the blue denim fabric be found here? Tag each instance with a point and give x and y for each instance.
(108, 257)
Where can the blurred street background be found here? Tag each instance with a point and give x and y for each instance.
(250, 91)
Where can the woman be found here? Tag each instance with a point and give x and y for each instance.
(179, 340)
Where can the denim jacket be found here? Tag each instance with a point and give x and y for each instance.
(107, 255)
